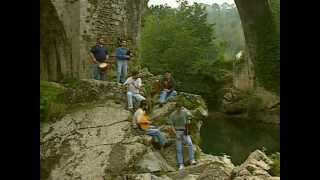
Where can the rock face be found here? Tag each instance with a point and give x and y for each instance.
(258, 105)
(69, 28)
(100, 143)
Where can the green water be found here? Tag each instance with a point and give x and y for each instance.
(238, 139)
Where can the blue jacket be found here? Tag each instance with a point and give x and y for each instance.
(121, 52)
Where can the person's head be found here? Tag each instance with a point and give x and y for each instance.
(100, 40)
(135, 74)
(123, 43)
(178, 106)
(143, 105)
(167, 74)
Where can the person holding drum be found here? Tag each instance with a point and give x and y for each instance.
(99, 55)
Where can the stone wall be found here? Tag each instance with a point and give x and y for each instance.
(69, 29)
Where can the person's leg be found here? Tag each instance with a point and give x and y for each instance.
(129, 96)
(101, 75)
(157, 134)
(124, 70)
(179, 148)
(119, 69)
(95, 71)
(188, 141)
(139, 97)
(163, 95)
(171, 95)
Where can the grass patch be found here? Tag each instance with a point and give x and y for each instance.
(275, 167)
(52, 103)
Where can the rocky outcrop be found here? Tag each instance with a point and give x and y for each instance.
(255, 167)
(69, 28)
(245, 99)
(258, 105)
(100, 143)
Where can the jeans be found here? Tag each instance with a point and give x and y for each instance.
(97, 73)
(137, 96)
(180, 139)
(155, 133)
(164, 96)
(122, 70)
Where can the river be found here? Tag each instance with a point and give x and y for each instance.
(237, 138)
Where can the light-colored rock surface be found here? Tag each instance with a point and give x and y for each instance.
(255, 167)
(153, 162)
(99, 142)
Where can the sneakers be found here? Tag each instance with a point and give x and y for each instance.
(193, 162)
(181, 166)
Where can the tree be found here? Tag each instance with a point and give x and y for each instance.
(182, 41)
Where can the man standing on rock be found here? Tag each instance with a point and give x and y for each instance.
(167, 85)
(134, 87)
(122, 56)
(99, 54)
(178, 120)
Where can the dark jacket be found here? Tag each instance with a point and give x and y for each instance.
(167, 84)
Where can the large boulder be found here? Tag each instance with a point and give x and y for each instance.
(88, 143)
(153, 162)
(255, 167)
(259, 105)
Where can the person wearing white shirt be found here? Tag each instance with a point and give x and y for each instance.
(134, 86)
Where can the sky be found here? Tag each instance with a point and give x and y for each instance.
(173, 3)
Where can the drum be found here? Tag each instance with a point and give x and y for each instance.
(103, 66)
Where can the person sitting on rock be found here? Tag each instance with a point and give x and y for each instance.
(167, 85)
(178, 121)
(143, 121)
(134, 87)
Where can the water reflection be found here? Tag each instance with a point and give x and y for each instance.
(237, 138)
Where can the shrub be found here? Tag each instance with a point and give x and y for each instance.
(275, 167)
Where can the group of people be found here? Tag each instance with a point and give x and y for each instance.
(99, 54)
(178, 119)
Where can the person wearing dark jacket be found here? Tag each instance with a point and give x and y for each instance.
(99, 54)
(167, 85)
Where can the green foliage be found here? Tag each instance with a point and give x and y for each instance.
(52, 103)
(267, 63)
(228, 28)
(275, 167)
(181, 40)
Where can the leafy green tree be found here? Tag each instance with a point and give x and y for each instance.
(182, 41)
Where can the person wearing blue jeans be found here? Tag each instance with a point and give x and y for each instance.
(167, 85)
(122, 57)
(155, 132)
(143, 121)
(134, 86)
(99, 54)
(178, 120)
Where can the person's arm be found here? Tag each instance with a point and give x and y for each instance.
(127, 81)
(172, 129)
(120, 55)
(92, 56)
(173, 84)
(107, 54)
(139, 85)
